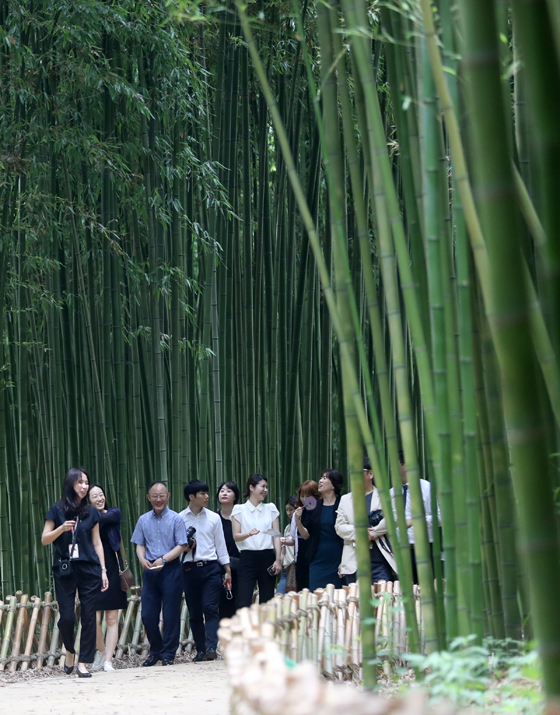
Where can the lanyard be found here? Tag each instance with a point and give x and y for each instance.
(74, 530)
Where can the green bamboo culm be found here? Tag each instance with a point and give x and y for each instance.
(508, 314)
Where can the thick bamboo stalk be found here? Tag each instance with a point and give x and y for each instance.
(19, 630)
(341, 611)
(303, 639)
(44, 629)
(54, 641)
(126, 625)
(31, 632)
(328, 637)
(12, 603)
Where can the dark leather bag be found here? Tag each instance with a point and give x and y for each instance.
(125, 574)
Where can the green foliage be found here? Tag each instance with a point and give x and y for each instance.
(499, 677)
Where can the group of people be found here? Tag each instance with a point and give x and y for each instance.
(216, 559)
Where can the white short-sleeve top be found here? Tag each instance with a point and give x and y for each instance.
(255, 517)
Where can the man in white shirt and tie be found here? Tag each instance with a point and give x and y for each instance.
(426, 488)
(202, 570)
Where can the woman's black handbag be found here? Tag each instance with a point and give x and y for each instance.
(65, 565)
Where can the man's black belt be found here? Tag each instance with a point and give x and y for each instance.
(199, 563)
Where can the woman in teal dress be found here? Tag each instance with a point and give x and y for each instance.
(315, 522)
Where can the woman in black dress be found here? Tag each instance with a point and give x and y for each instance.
(316, 524)
(79, 563)
(228, 496)
(114, 598)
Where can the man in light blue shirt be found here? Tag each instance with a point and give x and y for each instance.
(160, 537)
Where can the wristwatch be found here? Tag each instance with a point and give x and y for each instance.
(163, 559)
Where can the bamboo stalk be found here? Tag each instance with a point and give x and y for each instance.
(342, 654)
(44, 629)
(19, 629)
(303, 640)
(126, 625)
(12, 601)
(31, 632)
(137, 627)
(54, 641)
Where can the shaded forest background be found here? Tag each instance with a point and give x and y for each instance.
(270, 238)
(162, 316)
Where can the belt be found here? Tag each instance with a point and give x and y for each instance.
(199, 563)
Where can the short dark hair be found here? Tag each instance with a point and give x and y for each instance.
(292, 501)
(367, 464)
(158, 481)
(253, 480)
(336, 479)
(193, 487)
(230, 485)
(401, 456)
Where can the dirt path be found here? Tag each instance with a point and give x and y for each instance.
(197, 688)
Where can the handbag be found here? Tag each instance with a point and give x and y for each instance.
(65, 565)
(125, 574)
(291, 584)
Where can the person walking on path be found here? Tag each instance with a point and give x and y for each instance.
(228, 496)
(260, 558)
(317, 525)
(426, 489)
(202, 570)
(383, 564)
(160, 537)
(79, 563)
(114, 598)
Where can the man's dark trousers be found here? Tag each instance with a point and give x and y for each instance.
(203, 587)
(163, 589)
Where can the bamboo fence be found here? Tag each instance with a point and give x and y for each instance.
(263, 681)
(322, 627)
(30, 636)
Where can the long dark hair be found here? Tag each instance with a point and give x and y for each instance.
(70, 504)
(253, 480)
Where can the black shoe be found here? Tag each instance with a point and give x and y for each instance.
(83, 675)
(200, 656)
(211, 654)
(151, 660)
(69, 669)
(167, 661)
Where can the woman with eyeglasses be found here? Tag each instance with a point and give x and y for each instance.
(79, 563)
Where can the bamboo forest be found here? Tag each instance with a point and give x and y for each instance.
(273, 237)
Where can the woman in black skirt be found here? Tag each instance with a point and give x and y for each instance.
(114, 598)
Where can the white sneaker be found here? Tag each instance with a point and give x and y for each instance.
(98, 662)
(108, 667)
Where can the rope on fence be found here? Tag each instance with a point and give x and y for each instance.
(30, 622)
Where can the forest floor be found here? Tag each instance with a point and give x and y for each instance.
(200, 688)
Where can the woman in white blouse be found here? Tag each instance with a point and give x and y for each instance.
(260, 557)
